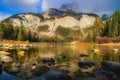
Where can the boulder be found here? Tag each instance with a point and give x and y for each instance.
(39, 70)
(86, 65)
(111, 66)
(84, 55)
(50, 61)
(104, 75)
(15, 67)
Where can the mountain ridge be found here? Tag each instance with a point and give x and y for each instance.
(51, 20)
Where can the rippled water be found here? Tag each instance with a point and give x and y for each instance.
(63, 54)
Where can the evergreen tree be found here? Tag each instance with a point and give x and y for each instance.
(7, 31)
(112, 25)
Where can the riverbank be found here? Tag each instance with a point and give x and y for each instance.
(108, 44)
(15, 42)
(11, 44)
(75, 43)
(84, 43)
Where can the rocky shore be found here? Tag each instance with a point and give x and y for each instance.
(49, 69)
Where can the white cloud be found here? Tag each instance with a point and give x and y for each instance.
(3, 16)
(30, 2)
(85, 6)
(54, 3)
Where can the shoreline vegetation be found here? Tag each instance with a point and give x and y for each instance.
(71, 43)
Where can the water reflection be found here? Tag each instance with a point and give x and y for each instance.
(66, 57)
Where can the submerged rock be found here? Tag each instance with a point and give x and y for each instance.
(15, 67)
(86, 65)
(54, 75)
(84, 55)
(6, 59)
(104, 75)
(50, 61)
(112, 66)
(39, 70)
(28, 75)
(3, 53)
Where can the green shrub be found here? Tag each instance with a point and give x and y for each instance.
(64, 32)
(43, 28)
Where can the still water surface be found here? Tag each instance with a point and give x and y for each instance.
(62, 54)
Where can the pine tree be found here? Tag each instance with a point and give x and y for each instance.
(112, 25)
(7, 31)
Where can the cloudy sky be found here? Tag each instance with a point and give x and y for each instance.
(11, 7)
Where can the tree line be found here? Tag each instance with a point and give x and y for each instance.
(112, 25)
(8, 31)
(110, 29)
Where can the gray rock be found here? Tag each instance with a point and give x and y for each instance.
(39, 70)
(104, 75)
(84, 55)
(111, 66)
(50, 61)
(15, 67)
(86, 65)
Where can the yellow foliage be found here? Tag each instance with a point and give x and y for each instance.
(96, 50)
(21, 53)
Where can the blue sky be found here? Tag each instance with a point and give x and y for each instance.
(11, 7)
